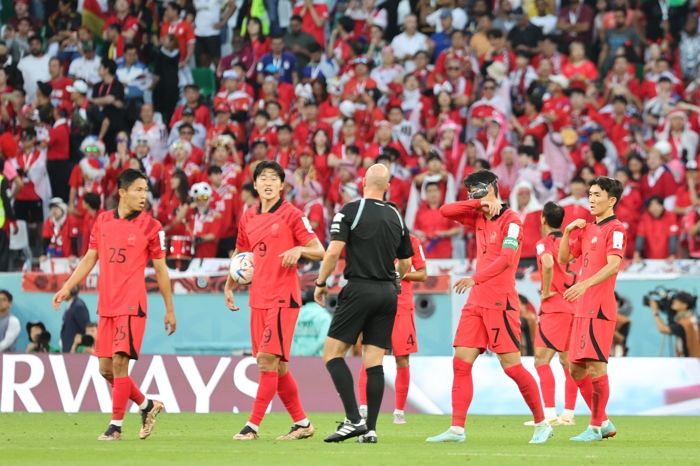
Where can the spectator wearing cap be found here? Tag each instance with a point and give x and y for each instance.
(34, 67)
(274, 90)
(211, 17)
(206, 223)
(234, 94)
(442, 21)
(152, 167)
(557, 107)
(283, 61)
(60, 232)
(188, 117)
(313, 14)
(154, 131)
(180, 152)
(85, 118)
(87, 66)
(202, 114)
(449, 13)
(109, 95)
(409, 42)
(42, 98)
(360, 82)
(136, 80)
(9, 324)
(300, 42)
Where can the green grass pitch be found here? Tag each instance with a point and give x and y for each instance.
(205, 439)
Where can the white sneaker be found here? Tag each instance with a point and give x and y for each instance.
(363, 411)
(399, 418)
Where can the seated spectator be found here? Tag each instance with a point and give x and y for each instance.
(658, 181)
(85, 343)
(193, 100)
(75, 319)
(657, 236)
(136, 79)
(39, 339)
(9, 324)
(60, 233)
(188, 118)
(155, 132)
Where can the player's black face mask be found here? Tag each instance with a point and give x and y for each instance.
(478, 190)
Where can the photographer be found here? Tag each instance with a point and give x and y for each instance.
(682, 322)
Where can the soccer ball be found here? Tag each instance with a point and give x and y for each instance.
(241, 268)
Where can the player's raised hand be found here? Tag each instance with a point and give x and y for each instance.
(170, 323)
(575, 292)
(291, 257)
(491, 208)
(62, 295)
(320, 294)
(228, 294)
(578, 223)
(464, 284)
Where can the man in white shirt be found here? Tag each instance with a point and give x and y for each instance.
(9, 324)
(544, 19)
(87, 66)
(410, 41)
(34, 67)
(212, 15)
(459, 16)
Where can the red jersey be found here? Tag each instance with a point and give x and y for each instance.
(268, 235)
(595, 242)
(183, 32)
(308, 24)
(124, 247)
(429, 221)
(405, 303)
(562, 277)
(498, 244)
(657, 232)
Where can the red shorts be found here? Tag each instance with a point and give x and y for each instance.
(489, 328)
(119, 334)
(554, 331)
(591, 339)
(272, 330)
(403, 336)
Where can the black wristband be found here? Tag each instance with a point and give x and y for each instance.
(320, 286)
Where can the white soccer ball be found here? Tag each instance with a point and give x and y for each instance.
(241, 268)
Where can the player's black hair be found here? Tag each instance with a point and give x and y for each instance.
(128, 177)
(609, 185)
(553, 214)
(268, 165)
(7, 294)
(214, 170)
(483, 177)
(92, 200)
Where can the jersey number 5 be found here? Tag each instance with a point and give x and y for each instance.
(117, 255)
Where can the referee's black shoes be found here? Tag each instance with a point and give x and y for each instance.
(347, 430)
(369, 437)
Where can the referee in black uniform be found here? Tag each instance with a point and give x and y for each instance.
(375, 235)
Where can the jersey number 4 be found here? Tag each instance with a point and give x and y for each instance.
(117, 255)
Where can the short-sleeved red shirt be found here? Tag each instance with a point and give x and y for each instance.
(124, 246)
(405, 303)
(657, 232)
(563, 276)
(183, 32)
(595, 242)
(60, 235)
(268, 235)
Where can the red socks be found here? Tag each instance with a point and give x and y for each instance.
(121, 389)
(403, 380)
(266, 392)
(570, 391)
(601, 393)
(288, 392)
(528, 388)
(362, 386)
(586, 387)
(546, 376)
(462, 391)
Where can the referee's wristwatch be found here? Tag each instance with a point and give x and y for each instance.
(320, 285)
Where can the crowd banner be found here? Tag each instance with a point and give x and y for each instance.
(203, 384)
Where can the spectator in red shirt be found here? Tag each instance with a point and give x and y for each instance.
(58, 153)
(59, 83)
(657, 237)
(433, 230)
(60, 234)
(92, 203)
(310, 201)
(173, 209)
(659, 181)
(579, 68)
(202, 114)
(313, 16)
(181, 29)
(206, 223)
(524, 202)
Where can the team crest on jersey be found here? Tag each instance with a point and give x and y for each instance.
(131, 240)
(594, 240)
(492, 239)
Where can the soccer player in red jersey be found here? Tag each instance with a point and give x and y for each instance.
(556, 316)
(124, 240)
(600, 247)
(278, 235)
(490, 318)
(404, 340)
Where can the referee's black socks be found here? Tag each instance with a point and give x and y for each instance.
(342, 379)
(375, 392)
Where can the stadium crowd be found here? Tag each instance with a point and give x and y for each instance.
(548, 94)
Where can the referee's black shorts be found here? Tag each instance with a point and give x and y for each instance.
(366, 307)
